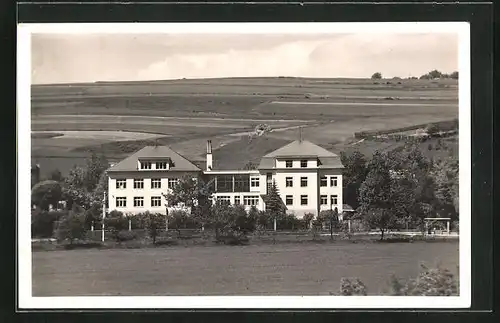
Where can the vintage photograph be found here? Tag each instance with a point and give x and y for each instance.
(231, 161)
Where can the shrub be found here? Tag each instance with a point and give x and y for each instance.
(126, 236)
(354, 287)
(72, 226)
(430, 282)
(46, 193)
(116, 224)
(232, 238)
(308, 217)
(83, 245)
(376, 76)
(43, 223)
(166, 242)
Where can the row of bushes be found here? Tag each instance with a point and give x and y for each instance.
(431, 128)
(430, 282)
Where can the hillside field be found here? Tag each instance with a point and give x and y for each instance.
(68, 121)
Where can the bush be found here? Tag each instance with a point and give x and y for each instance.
(232, 238)
(43, 223)
(166, 242)
(430, 282)
(126, 236)
(83, 245)
(354, 287)
(376, 76)
(72, 226)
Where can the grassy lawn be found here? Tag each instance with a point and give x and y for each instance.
(285, 269)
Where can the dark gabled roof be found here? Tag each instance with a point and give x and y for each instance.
(179, 163)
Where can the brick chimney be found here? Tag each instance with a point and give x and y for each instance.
(209, 155)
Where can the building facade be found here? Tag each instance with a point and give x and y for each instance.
(308, 177)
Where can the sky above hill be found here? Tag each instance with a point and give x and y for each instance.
(59, 58)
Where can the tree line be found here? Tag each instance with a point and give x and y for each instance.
(400, 188)
(434, 74)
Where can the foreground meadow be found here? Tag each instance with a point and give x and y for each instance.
(290, 269)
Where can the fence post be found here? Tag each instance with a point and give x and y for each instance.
(129, 225)
(92, 226)
(274, 224)
(349, 225)
(448, 226)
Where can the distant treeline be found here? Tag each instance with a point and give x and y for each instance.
(432, 129)
(435, 74)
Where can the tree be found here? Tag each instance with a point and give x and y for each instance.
(84, 186)
(274, 203)
(377, 76)
(95, 167)
(308, 217)
(116, 222)
(46, 193)
(243, 222)
(178, 219)
(435, 74)
(412, 185)
(43, 222)
(454, 75)
(190, 192)
(56, 175)
(375, 196)
(445, 175)
(72, 226)
(355, 172)
(152, 223)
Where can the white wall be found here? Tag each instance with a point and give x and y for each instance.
(129, 192)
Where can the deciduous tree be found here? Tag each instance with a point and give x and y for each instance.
(376, 196)
(46, 193)
(355, 171)
(72, 226)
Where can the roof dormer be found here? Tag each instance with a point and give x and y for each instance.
(163, 163)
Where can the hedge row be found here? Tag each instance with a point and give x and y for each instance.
(435, 127)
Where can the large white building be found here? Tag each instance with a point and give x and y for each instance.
(308, 177)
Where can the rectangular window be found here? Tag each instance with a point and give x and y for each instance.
(289, 200)
(303, 163)
(121, 202)
(323, 181)
(303, 182)
(289, 181)
(288, 164)
(161, 165)
(145, 165)
(237, 200)
(138, 184)
(172, 182)
(250, 200)
(224, 183)
(224, 200)
(138, 201)
(241, 183)
(334, 199)
(121, 183)
(155, 183)
(303, 200)
(324, 199)
(155, 201)
(254, 182)
(333, 181)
